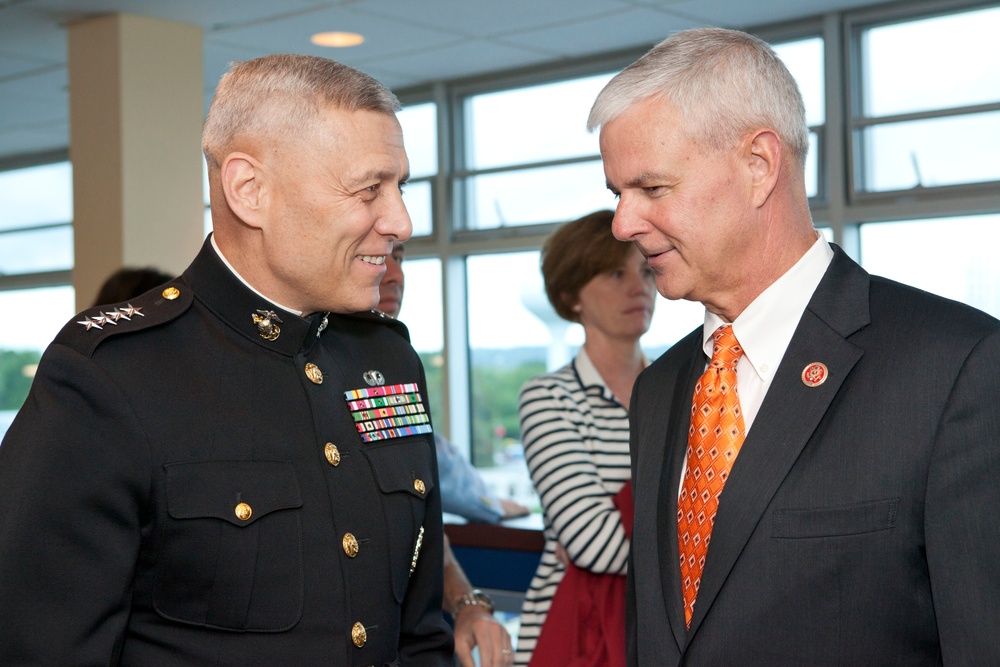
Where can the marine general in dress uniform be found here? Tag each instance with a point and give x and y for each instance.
(233, 469)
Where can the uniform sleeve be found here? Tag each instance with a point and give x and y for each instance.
(74, 473)
(962, 521)
(576, 504)
(425, 637)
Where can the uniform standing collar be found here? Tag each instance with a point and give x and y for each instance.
(223, 292)
(218, 251)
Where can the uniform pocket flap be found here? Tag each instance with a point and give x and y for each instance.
(239, 492)
(856, 519)
(403, 466)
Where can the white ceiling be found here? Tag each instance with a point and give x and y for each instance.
(407, 42)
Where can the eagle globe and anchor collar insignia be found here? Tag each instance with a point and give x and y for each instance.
(267, 324)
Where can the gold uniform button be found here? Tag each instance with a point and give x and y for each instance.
(332, 454)
(243, 512)
(418, 484)
(350, 545)
(358, 635)
(314, 374)
(171, 293)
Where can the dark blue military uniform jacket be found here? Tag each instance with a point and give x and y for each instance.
(189, 485)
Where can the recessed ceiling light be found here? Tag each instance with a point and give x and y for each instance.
(337, 39)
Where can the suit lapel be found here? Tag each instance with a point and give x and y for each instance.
(675, 428)
(788, 417)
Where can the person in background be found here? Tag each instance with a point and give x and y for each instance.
(463, 492)
(197, 476)
(816, 468)
(128, 282)
(574, 425)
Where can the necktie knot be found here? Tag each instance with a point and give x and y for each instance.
(726, 351)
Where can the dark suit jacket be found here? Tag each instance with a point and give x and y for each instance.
(860, 523)
(120, 541)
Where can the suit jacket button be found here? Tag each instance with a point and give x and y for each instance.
(418, 484)
(358, 635)
(350, 545)
(332, 454)
(243, 512)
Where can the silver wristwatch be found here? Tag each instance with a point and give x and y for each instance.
(474, 597)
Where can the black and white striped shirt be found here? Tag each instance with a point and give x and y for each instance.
(575, 436)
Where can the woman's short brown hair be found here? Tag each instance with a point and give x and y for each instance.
(574, 254)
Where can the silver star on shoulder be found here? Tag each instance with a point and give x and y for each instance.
(89, 324)
(131, 311)
(101, 318)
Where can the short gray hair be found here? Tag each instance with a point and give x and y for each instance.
(725, 83)
(280, 93)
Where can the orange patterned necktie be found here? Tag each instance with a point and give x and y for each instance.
(714, 439)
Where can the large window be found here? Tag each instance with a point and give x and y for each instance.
(953, 257)
(36, 256)
(903, 108)
(528, 156)
(804, 59)
(419, 122)
(927, 107)
(509, 158)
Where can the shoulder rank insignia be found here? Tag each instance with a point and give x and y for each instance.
(110, 317)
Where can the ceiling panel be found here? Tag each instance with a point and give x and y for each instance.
(636, 27)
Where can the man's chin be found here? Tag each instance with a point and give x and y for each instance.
(389, 307)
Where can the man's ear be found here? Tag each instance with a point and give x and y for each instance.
(243, 184)
(766, 156)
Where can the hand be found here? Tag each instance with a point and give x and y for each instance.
(562, 556)
(475, 626)
(513, 510)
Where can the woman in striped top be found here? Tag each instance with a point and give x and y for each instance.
(574, 422)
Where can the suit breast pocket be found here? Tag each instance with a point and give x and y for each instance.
(854, 519)
(404, 475)
(232, 546)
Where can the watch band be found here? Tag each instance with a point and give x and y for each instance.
(474, 597)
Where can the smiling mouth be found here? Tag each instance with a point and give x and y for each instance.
(377, 260)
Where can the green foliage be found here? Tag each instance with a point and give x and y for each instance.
(494, 399)
(14, 383)
(434, 370)
(494, 408)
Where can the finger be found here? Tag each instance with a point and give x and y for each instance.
(463, 651)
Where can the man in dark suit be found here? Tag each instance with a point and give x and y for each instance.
(817, 469)
(234, 469)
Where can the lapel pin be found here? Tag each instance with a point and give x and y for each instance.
(373, 378)
(266, 327)
(814, 374)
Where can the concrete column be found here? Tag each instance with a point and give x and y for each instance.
(136, 111)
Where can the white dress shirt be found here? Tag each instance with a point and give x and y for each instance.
(765, 328)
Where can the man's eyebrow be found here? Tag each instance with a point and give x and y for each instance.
(644, 179)
(383, 175)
